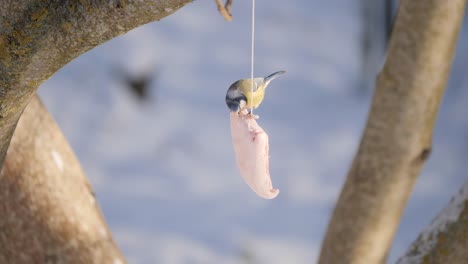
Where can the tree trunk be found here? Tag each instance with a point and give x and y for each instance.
(397, 138)
(49, 212)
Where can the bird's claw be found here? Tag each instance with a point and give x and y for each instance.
(254, 116)
(245, 113)
(250, 115)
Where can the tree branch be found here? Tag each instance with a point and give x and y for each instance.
(225, 10)
(397, 138)
(49, 212)
(39, 37)
(445, 240)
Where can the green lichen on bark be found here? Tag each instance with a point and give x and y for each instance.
(43, 36)
(449, 241)
(445, 240)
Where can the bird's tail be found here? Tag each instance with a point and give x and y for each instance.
(272, 76)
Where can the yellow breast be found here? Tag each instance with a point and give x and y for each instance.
(257, 98)
(244, 85)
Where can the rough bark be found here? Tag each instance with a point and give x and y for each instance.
(39, 37)
(445, 240)
(49, 212)
(397, 138)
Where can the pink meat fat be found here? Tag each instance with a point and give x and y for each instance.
(251, 148)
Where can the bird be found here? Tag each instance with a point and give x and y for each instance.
(239, 95)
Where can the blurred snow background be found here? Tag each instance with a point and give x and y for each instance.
(163, 168)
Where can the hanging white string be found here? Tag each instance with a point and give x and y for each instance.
(252, 59)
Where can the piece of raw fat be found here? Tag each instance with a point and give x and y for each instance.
(251, 148)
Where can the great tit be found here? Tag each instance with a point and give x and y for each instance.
(239, 94)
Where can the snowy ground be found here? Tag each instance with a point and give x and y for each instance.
(164, 172)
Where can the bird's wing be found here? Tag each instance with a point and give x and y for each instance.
(244, 85)
(258, 82)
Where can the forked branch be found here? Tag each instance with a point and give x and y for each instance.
(397, 138)
(225, 10)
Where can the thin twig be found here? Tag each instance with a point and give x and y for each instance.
(225, 10)
(228, 5)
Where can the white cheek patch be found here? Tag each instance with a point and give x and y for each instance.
(242, 104)
(251, 148)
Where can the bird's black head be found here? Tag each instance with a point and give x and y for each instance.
(236, 103)
(235, 98)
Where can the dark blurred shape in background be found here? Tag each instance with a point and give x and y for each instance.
(140, 84)
(377, 23)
